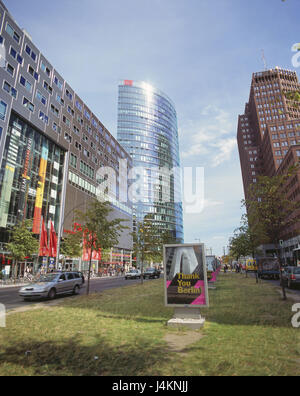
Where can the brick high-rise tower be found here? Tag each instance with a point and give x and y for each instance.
(269, 131)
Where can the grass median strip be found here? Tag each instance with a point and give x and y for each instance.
(123, 332)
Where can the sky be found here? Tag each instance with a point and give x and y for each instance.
(201, 53)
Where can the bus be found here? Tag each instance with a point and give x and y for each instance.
(251, 265)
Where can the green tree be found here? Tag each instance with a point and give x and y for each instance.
(99, 231)
(146, 242)
(22, 244)
(246, 239)
(270, 212)
(71, 245)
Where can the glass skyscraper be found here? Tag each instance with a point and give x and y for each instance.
(147, 129)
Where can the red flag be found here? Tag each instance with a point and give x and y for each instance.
(43, 241)
(52, 241)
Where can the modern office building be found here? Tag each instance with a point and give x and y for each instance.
(269, 137)
(147, 129)
(51, 144)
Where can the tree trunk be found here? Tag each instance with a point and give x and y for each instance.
(142, 269)
(280, 265)
(89, 274)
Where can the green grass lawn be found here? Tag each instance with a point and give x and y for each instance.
(122, 332)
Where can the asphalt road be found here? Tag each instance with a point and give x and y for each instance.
(9, 296)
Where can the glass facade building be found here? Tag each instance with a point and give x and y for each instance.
(147, 129)
(31, 176)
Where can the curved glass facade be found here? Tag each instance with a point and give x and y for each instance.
(147, 129)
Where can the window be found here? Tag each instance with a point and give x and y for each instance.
(13, 52)
(12, 33)
(33, 73)
(70, 111)
(73, 160)
(43, 117)
(10, 69)
(68, 138)
(78, 146)
(28, 104)
(58, 83)
(29, 51)
(60, 100)
(69, 95)
(45, 69)
(87, 114)
(8, 88)
(3, 107)
(26, 84)
(47, 87)
(86, 153)
(56, 128)
(41, 98)
(76, 130)
(54, 110)
(78, 105)
(66, 121)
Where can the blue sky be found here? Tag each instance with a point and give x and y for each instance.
(201, 53)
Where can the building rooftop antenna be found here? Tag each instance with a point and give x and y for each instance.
(264, 59)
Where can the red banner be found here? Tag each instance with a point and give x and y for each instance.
(43, 241)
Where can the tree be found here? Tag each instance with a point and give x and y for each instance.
(146, 242)
(99, 232)
(22, 243)
(238, 245)
(71, 245)
(270, 212)
(246, 239)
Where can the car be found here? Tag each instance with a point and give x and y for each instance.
(133, 274)
(151, 273)
(53, 284)
(291, 276)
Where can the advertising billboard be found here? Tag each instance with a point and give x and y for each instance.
(185, 276)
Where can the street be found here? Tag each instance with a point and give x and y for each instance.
(9, 296)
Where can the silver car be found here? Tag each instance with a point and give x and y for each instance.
(53, 284)
(133, 274)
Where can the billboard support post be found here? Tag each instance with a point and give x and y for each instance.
(187, 317)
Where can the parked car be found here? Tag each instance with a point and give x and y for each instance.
(151, 273)
(133, 274)
(291, 276)
(53, 284)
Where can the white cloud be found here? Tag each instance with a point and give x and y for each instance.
(211, 137)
